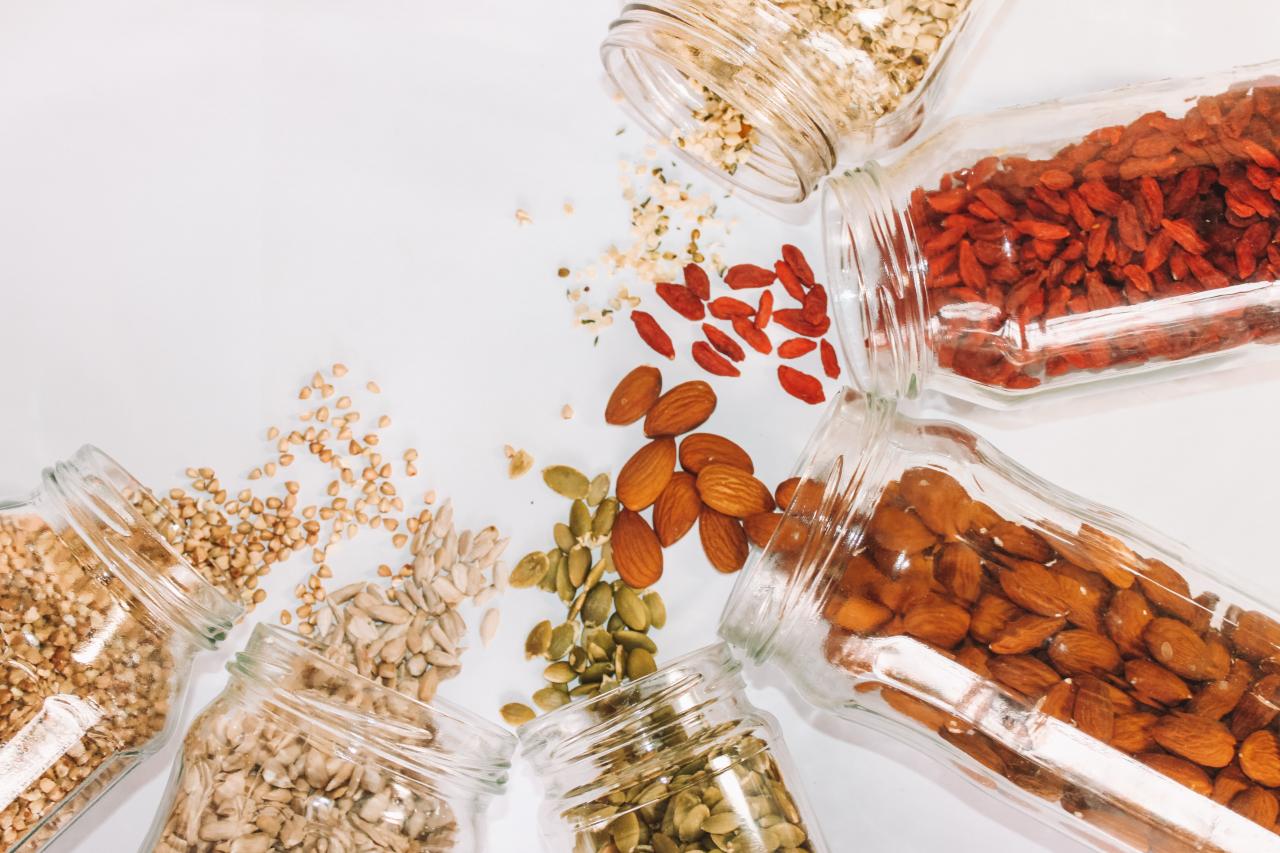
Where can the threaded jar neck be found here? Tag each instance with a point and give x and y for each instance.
(661, 54)
(94, 506)
(878, 292)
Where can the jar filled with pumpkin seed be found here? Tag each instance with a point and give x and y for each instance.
(676, 761)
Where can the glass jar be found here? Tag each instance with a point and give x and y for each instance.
(677, 760)
(100, 621)
(1056, 652)
(1044, 247)
(299, 753)
(768, 95)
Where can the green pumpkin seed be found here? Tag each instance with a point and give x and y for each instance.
(615, 623)
(578, 659)
(662, 843)
(596, 574)
(566, 481)
(595, 673)
(529, 570)
(631, 608)
(606, 514)
(599, 605)
(657, 609)
(579, 520)
(601, 639)
(598, 490)
(516, 713)
(690, 827)
(538, 641)
(625, 832)
(720, 824)
(640, 663)
(788, 834)
(554, 558)
(585, 689)
(579, 564)
(558, 673)
(563, 536)
(635, 640)
(562, 638)
(551, 697)
(576, 607)
(564, 587)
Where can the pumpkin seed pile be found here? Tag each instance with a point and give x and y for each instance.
(730, 797)
(605, 638)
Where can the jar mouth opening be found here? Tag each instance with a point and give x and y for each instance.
(296, 680)
(94, 496)
(662, 91)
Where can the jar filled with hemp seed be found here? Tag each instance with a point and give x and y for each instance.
(769, 95)
(99, 621)
(299, 753)
(676, 761)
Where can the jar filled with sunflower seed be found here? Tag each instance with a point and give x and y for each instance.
(99, 622)
(300, 753)
(769, 95)
(676, 761)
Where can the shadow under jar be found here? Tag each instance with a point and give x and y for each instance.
(301, 754)
(676, 761)
(1055, 652)
(768, 95)
(99, 622)
(1044, 247)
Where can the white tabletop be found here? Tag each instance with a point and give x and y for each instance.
(201, 202)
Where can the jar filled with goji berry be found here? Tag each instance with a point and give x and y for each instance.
(300, 753)
(1046, 247)
(768, 95)
(1056, 653)
(676, 760)
(99, 622)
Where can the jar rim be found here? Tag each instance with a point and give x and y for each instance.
(90, 493)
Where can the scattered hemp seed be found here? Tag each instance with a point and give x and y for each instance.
(520, 463)
(566, 412)
(563, 272)
(523, 217)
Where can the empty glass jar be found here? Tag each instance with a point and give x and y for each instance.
(299, 753)
(1046, 247)
(1057, 653)
(677, 760)
(100, 620)
(768, 95)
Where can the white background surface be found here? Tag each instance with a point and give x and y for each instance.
(201, 202)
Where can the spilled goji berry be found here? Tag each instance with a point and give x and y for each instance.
(796, 260)
(681, 300)
(800, 385)
(652, 334)
(793, 320)
(815, 304)
(755, 338)
(711, 361)
(695, 278)
(721, 341)
(764, 310)
(790, 282)
(830, 364)
(745, 276)
(726, 308)
(796, 347)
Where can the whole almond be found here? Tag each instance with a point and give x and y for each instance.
(637, 555)
(1167, 590)
(1024, 674)
(1151, 681)
(1059, 702)
(910, 706)
(1081, 651)
(859, 575)
(990, 615)
(1260, 758)
(1096, 551)
(960, 569)
(723, 540)
(937, 621)
(646, 474)
(1229, 782)
(1132, 732)
(1177, 647)
(1256, 636)
(1093, 714)
(1216, 699)
(1027, 634)
(1257, 707)
(1021, 542)
(685, 407)
(1258, 805)
(1204, 741)
(786, 491)
(1085, 593)
(761, 526)
(900, 530)
(733, 491)
(861, 615)
(940, 501)
(700, 449)
(633, 396)
(676, 509)
(1034, 587)
(1126, 620)
(1178, 770)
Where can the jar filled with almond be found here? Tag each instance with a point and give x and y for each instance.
(676, 761)
(99, 621)
(1085, 668)
(768, 95)
(300, 753)
(1046, 247)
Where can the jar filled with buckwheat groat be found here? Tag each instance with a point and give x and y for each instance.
(300, 753)
(100, 620)
(1047, 247)
(676, 761)
(768, 95)
(1057, 653)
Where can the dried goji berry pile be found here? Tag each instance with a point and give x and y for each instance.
(719, 353)
(1158, 210)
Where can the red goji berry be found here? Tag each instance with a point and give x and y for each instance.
(711, 361)
(764, 310)
(726, 308)
(1184, 234)
(796, 347)
(745, 276)
(652, 334)
(681, 300)
(790, 281)
(721, 341)
(815, 304)
(755, 338)
(830, 364)
(800, 385)
(793, 320)
(697, 281)
(796, 260)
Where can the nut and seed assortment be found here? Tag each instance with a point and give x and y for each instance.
(1150, 215)
(720, 352)
(1075, 625)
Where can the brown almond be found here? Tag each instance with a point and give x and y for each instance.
(898, 530)
(1176, 647)
(1258, 805)
(637, 554)
(979, 747)
(1199, 739)
(723, 540)
(1021, 541)
(1154, 682)
(633, 396)
(685, 407)
(1024, 674)
(761, 526)
(676, 509)
(646, 474)
(990, 615)
(1260, 758)
(1178, 770)
(937, 621)
(1132, 732)
(700, 449)
(1059, 701)
(1034, 587)
(1257, 707)
(733, 491)
(939, 499)
(1096, 551)
(1217, 656)
(1085, 594)
(1093, 713)
(910, 706)
(974, 658)
(859, 575)
(1256, 636)
(960, 570)
(861, 615)
(1081, 651)
(1126, 619)
(1167, 590)
(1216, 699)
(1027, 634)
(1229, 782)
